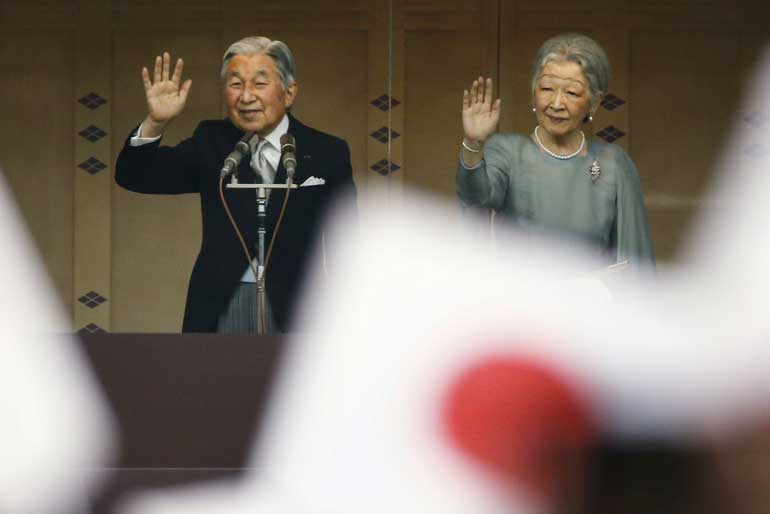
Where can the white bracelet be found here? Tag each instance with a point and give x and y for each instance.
(473, 150)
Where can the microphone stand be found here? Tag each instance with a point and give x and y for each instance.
(261, 232)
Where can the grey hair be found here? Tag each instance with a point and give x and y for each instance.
(276, 50)
(584, 51)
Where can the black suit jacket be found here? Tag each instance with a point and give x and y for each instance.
(193, 166)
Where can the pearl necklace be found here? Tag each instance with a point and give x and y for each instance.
(557, 156)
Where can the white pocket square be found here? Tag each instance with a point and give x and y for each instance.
(313, 181)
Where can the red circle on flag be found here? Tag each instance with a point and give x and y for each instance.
(522, 421)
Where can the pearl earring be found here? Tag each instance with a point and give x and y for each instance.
(534, 109)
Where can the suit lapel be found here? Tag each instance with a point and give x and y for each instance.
(297, 129)
(246, 174)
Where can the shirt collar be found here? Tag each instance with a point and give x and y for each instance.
(274, 137)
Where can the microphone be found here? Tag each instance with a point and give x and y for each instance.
(236, 156)
(288, 154)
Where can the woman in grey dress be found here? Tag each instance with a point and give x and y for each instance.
(554, 180)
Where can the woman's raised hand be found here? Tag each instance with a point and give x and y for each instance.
(480, 112)
(166, 96)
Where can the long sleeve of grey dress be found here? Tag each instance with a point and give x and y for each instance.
(537, 192)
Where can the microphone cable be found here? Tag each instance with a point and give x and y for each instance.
(261, 286)
(260, 280)
(245, 247)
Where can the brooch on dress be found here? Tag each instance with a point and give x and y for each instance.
(595, 171)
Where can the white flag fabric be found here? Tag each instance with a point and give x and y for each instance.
(728, 253)
(730, 242)
(381, 404)
(56, 432)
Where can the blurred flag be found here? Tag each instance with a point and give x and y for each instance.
(441, 376)
(55, 433)
(730, 245)
(727, 256)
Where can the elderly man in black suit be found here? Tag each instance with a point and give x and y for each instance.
(258, 88)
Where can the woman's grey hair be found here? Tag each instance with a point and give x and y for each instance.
(276, 50)
(580, 49)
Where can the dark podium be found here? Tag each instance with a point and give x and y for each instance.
(187, 405)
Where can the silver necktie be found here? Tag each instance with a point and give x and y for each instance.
(264, 168)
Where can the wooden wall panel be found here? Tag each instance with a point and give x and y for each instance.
(434, 88)
(439, 63)
(385, 154)
(92, 266)
(39, 15)
(615, 42)
(680, 66)
(685, 89)
(244, 17)
(156, 238)
(303, 7)
(332, 77)
(36, 136)
(589, 6)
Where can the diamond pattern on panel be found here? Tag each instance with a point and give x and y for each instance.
(92, 328)
(92, 133)
(610, 134)
(381, 134)
(384, 167)
(92, 101)
(612, 102)
(756, 118)
(385, 102)
(756, 151)
(92, 299)
(92, 165)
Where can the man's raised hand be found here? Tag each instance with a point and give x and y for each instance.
(166, 96)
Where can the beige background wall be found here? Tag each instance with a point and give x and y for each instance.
(121, 260)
